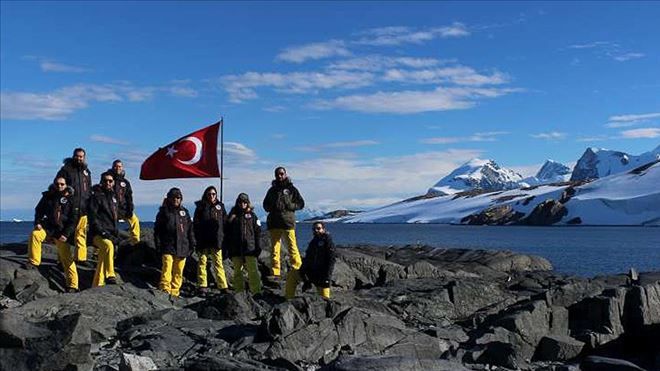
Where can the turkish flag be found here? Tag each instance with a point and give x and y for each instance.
(192, 156)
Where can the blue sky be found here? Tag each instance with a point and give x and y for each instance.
(365, 103)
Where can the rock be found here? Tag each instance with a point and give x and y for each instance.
(6, 302)
(132, 362)
(558, 348)
(596, 363)
(392, 363)
(205, 363)
(547, 212)
(494, 215)
(240, 307)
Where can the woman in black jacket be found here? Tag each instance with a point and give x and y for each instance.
(210, 216)
(318, 264)
(174, 238)
(244, 246)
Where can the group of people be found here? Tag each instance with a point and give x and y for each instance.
(71, 208)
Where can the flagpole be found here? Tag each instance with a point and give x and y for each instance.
(222, 156)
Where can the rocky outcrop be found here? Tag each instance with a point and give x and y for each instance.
(396, 308)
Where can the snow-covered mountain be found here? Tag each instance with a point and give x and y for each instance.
(597, 163)
(476, 174)
(550, 172)
(628, 198)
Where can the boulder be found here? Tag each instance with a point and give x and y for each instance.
(597, 363)
(494, 215)
(558, 348)
(392, 363)
(132, 362)
(547, 212)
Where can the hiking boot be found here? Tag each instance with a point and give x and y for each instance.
(272, 281)
(111, 281)
(203, 292)
(30, 266)
(72, 290)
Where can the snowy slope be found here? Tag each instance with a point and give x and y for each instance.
(620, 199)
(476, 174)
(598, 163)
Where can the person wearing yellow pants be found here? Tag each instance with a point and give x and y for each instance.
(209, 221)
(103, 220)
(317, 266)
(244, 244)
(55, 217)
(175, 239)
(124, 195)
(77, 175)
(281, 202)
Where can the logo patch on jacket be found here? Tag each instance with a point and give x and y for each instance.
(123, 184)
(258, 223)
(85, 172)
(182, 213)
(218, 207)
(114, 199)
(248, 216)
(63, 200)
(286, 191)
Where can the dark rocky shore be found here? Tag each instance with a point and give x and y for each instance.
(405, 308)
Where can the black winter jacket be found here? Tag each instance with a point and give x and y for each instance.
(319, 261)
(80, 178)
(124, 194)
(209, 224)
(243, 233)
(281, 202)
(56, 214)
(103, 214)
(173, 232)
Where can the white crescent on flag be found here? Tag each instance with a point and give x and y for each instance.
(198, 150)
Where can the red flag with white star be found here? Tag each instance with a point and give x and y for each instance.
(192, 156)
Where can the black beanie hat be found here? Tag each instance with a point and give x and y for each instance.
(174, 192)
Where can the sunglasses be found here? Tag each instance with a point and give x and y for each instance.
(280, 173)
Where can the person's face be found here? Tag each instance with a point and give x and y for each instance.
(211, 195)
(60, 184)
(79, 157)
(243, 204)
(108, 182)
(176, 201)
(118, 168)
(280, 174)
(318, 229)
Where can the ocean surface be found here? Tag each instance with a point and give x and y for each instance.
(585, 251)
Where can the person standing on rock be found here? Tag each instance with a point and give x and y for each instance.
(124, 195)
(175, 239)
(281, 202)
(244, 244)
(55, 217)
(78, 176)
(318, 264)
(210, 217)
(104, 227)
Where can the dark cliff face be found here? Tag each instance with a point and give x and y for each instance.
(586, 167)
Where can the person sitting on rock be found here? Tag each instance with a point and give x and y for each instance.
(175, 239)
(55, 217)
(104, 227)
(244, 244)
(318, 264)
(124, 195)
(210, 217)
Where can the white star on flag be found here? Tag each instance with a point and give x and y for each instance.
(171, 151)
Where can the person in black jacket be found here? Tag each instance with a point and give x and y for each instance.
(318, 264)
(104, 227)
(78, 176)
(244, 244)
(124, 194)
(175, 239)
(281, 202)
(55, 218)
(210, 216)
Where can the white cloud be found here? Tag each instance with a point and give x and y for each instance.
(622, 121)
(397, 35)
(596, 138)
(379, 62)
(641, 133)
(182, 91)
(553, 135)
(413, 101)
(476, 137)
(238, 154)
(275, 109)
(351, 144)
(319, 50)
(50, 66)
(592, 45)
(627, 56)
(459, 75)
(242, 87)
(105, 139)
